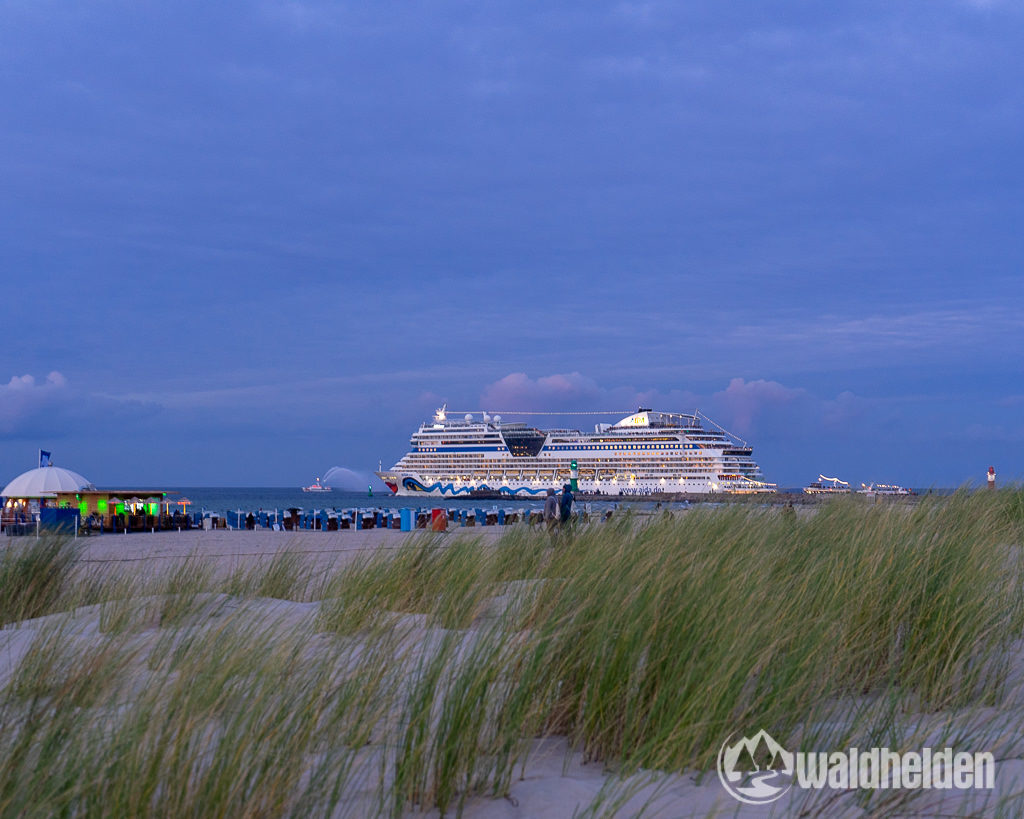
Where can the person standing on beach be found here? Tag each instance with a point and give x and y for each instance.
(551, 511)
(565, 504)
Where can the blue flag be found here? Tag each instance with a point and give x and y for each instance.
(44, 458)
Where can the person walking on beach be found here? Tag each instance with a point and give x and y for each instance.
(551, 511)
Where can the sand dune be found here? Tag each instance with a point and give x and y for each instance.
(169, 623)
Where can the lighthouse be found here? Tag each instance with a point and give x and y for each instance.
(991, 477)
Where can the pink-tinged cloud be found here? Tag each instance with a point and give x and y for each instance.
(745, 400)
(574, 391)
(517, 391)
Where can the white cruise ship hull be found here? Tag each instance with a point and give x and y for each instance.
(646, 453)
(411, 484)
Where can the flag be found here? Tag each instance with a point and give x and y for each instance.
(44, 458)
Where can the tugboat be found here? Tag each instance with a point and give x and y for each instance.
(316, 486)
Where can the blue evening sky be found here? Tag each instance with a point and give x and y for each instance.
(243, 242)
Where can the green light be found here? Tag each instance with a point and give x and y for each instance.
(83, 508)
(101, 506)
(119, 509)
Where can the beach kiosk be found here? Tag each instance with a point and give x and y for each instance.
(39, 495)
(56, 497)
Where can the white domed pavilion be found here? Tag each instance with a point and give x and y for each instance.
(47, 493)
(45, 481)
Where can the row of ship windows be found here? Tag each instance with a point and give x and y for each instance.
(508, 463)
(591, 447)
(625, 446)
(554, 462)
(698, 470)
(661, 469)
(622, 477)
(433, 441)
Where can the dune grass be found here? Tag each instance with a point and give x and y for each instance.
(422, 675)
(665, 642)
(34, 577)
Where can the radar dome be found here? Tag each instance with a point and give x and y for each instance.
(469, 416)
(497, 419)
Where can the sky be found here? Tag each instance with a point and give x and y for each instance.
(244, 242)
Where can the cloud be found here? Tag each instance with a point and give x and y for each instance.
(745, 400)
(738, 406)
(517, 391)
(575, 392)
(302, 17)
(23, 398)
(20, 383)
(846, 409)
(54, 407)
(936, 328)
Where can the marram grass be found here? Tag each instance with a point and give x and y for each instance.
(420, 676)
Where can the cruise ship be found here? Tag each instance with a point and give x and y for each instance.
(645, 453)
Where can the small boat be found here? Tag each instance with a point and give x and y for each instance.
(827, 486)
(489, 494)
(884, 489)
(316, 486)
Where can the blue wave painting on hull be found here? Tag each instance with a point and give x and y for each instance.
(449, 488)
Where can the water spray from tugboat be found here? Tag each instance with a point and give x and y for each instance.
(348, 480)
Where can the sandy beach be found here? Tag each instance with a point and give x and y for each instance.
(229, 549)
(441, 637)
(555, 782)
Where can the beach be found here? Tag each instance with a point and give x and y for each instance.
(231, 548)
(503, 672)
